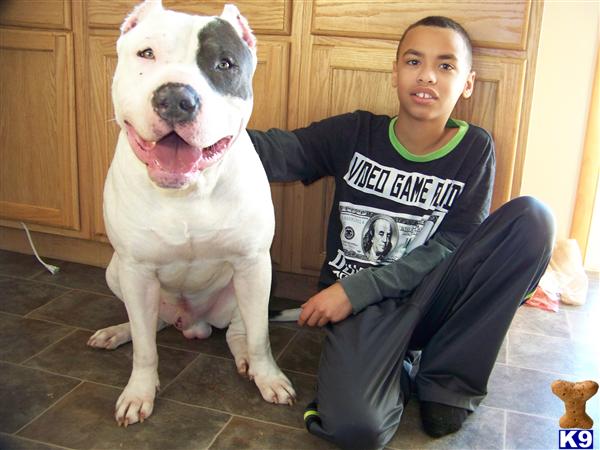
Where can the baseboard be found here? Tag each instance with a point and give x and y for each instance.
(59, 247)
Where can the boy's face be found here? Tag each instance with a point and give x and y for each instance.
(432, 72)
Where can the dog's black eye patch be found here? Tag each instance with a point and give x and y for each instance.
(225, 59)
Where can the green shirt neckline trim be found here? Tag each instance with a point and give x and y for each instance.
(436, 154)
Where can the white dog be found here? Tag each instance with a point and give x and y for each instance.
(187, 204)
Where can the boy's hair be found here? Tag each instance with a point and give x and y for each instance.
(441, 22)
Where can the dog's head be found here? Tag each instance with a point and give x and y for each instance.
(182, 90)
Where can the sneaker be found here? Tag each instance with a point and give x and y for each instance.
(311, 415)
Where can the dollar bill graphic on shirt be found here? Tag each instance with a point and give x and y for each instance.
(377, 237)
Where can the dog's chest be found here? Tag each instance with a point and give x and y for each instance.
(188, 256)
(173, 239)
(191, 240)
(189, 277)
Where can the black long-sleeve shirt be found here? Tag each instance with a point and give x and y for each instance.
(395, 215)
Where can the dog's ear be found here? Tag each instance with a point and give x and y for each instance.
(139, 13)
(232, 15)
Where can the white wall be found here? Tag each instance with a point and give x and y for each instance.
(561, 97)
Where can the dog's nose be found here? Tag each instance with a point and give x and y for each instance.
(176, 102)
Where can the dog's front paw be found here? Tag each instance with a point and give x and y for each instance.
(275, 387)
(137, 400)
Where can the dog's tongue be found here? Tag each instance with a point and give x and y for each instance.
(175, 155)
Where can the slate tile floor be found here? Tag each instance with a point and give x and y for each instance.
(55, 392)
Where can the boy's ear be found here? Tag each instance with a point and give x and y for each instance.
(469, 85)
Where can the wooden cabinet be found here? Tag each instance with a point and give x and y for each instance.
(316, 58)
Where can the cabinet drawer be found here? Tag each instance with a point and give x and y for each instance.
(497, 24)
(53, 14)
(273, 17)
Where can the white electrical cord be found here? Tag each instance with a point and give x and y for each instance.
(52, 269)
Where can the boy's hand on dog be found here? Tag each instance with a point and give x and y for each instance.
(329, 305)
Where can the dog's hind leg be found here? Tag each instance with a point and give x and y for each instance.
(112, 337)
(112, 276)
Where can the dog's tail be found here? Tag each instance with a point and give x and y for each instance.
(285, 315)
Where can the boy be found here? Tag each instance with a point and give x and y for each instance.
(451, 282)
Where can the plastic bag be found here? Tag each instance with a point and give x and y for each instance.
(567, 265)
(547, 295)
(565, 279)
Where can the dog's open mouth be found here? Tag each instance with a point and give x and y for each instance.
(172, 158)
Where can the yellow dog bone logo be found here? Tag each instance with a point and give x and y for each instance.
(575, 396)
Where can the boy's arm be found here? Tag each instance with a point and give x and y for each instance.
(305, 154)
(354, 293)
(281, 154)
(401, 277)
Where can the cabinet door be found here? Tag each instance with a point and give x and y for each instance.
(273, 17)
(103, 130)
(342, 79)
(366, 73)
(38, 173)
(270, 87)
(496, 106)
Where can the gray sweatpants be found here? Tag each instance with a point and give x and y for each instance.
(458, 317)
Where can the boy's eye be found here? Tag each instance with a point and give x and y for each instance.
(412, 62)
(446, 66)
(147, 53)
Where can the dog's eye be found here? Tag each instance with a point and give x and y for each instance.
(147, 53)
(224, 64)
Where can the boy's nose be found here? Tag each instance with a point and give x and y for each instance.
(426, 76)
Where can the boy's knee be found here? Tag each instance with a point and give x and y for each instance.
(360, 430)
(359, 433)
(536, 224)
(537, 213)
